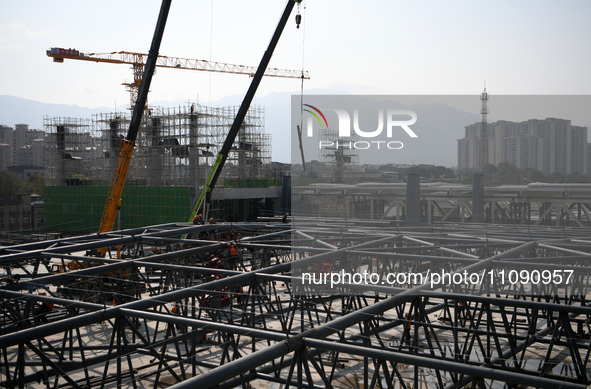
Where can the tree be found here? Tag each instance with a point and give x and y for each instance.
(36, 184)
(508, 174)
(556, 177)
(577, 177)
(431, 172)
(418, 169)
(10, 184)
(533, 175)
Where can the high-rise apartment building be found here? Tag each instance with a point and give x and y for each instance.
(5, 156)
(18, 140)
(6, 134)
(6, 139)
(22, 147)
(548, 145)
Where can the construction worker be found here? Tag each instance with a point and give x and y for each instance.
(239, 294)
(198, 219)
(406, 332)
(284, 218)
(211, 221)
(44, 309)
(233, 257)
(233, 251)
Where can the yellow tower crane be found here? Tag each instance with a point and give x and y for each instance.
(138, 60)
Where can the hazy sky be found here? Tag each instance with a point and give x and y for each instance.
(359, 47)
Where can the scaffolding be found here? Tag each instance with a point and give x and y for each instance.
(174, 146)
(72, 148)
(339, 156)
(173, 154)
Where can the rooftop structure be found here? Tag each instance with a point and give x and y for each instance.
(189, 313)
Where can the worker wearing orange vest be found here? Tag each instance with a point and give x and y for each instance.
(233, 256)
(44, 308)
(198, 219)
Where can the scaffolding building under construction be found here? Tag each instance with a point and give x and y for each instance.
(340, 159)
(173, 154)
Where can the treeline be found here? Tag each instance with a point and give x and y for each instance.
(502, 174)
(508, 174)
(12, 184)
(437, 173)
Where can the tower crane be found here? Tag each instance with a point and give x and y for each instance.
(138, 61)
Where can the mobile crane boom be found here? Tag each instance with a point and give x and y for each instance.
(113, 202)
(220, 159)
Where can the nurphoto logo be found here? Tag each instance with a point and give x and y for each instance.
(393, 120)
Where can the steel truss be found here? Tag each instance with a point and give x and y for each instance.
(536, 203)
(188, 313)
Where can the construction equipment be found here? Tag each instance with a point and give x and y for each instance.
(143, 79)
(113, 202)
(138, 61)
(216, 169)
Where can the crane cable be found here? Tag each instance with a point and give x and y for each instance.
(298, 21)
(210, 52)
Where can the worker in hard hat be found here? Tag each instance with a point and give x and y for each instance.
(211, 221)
(284, 218)
(198, 219)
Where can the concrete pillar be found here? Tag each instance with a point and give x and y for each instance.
(243, 209)
(413, 200)
(478, 198)
(61, 154)
(286, 195)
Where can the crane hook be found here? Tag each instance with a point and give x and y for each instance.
(298, 17)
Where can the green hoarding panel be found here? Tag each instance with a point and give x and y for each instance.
(79, 208)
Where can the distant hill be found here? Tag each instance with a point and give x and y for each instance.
(15, 110)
